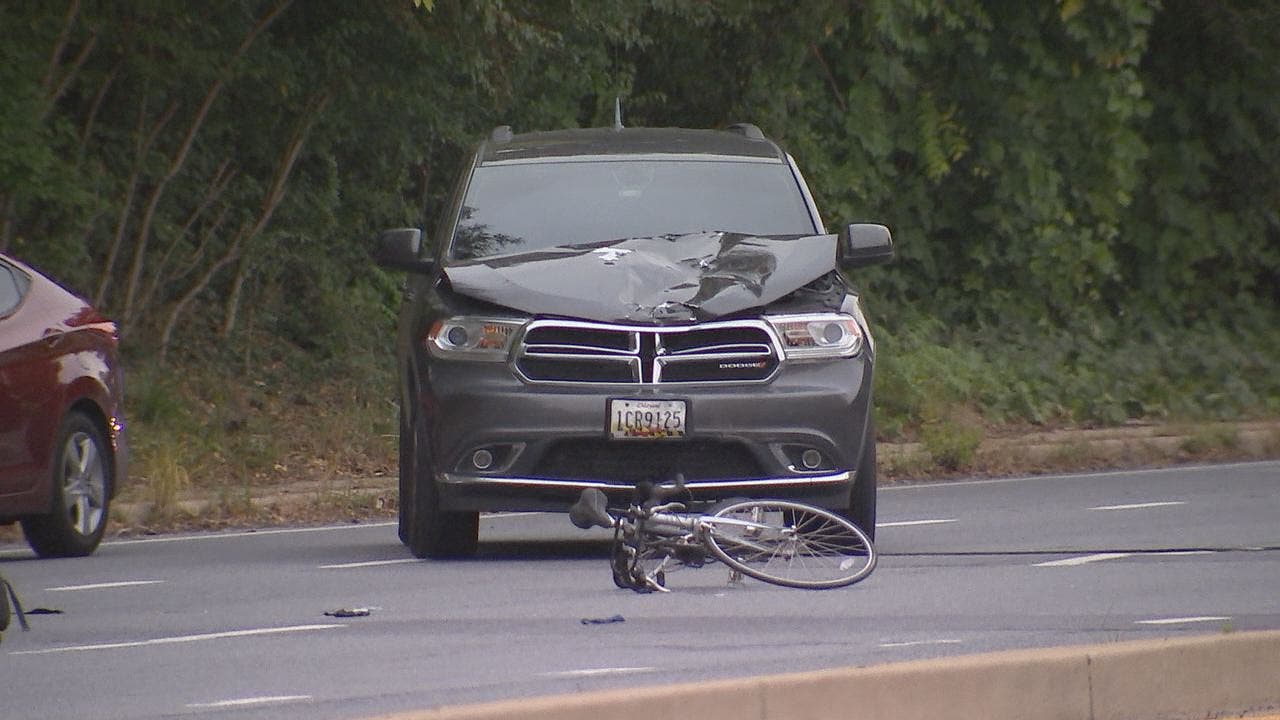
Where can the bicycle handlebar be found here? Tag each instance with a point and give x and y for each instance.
(649, 495)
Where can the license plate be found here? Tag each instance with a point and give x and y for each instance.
(646, 418)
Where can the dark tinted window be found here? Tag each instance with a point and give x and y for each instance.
(533, 206)
(13, 285)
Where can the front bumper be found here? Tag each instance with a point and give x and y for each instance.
(547, 443)
(511, 493)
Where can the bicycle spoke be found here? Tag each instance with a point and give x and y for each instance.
(791, 544)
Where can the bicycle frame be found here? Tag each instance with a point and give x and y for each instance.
(780, 542)
(643, 529)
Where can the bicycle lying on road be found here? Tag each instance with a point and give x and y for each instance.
(777, 541)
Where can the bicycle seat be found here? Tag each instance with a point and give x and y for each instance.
(591, 510)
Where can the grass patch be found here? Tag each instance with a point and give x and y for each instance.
(905, 464)
(952, 442)
(1211, 439)
(1075, 377)
(233, 432)
(167, 477)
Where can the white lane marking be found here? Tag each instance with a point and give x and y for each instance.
(370, 563)
(1182, 620)
(595, 672)
(1096, 557)
(1083, 560)
(913, 523)
(1140, 506)
(917, 643)
(248, 533)
(1078, 476)
(104, 586)
(243, 702)
(178, 639)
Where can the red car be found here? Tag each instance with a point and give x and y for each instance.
(62, 443)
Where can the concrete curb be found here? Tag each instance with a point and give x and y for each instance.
(1175, 679)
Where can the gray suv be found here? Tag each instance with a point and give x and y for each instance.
(614, 305)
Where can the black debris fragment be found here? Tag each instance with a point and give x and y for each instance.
(603, 621)
(348, 612)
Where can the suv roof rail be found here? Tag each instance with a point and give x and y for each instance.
(501, 134)
(751, 132)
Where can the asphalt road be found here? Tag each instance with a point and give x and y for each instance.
(234, 625)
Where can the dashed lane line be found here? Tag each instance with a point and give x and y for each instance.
(1098, 557)
(1184, 620)
(919, 643)
(1140, 506)
(1180, 469)
(1084, 559)
(598, 672)
(104, 585)
(178, 639)
(369, 563)
(249, 701)
(914, 523)
(247, 533)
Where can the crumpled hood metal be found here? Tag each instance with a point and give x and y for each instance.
(666, 279)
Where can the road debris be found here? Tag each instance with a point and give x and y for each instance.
(9, 606)
(603, 621)
(349, 612)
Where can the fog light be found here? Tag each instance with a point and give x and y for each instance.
(482, 459)
(811, 459)
(457, 336)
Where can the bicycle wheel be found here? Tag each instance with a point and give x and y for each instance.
(789, 544)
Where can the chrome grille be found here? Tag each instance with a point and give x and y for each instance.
(563, 351)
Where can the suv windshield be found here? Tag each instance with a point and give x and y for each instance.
(522, 207)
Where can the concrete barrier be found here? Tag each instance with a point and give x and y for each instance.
(1176, 679)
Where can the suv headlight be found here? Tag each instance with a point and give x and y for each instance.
(472, 338)
(819, 336)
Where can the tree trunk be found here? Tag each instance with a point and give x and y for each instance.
(55, 88)
(91, 117)
(159, 274)
(128, 314)
(270, 201)
(831, 78)
(180, 307)
(232, 307)
(131, 187)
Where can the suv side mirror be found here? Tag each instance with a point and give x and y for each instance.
(398, 249)
(864, 244)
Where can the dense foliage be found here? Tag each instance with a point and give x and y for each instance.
(1085, 193)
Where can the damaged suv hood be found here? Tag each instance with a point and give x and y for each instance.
(665, 279)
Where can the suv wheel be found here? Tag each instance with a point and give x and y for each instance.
(862, 499)
(433, 532)
(406, 446)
